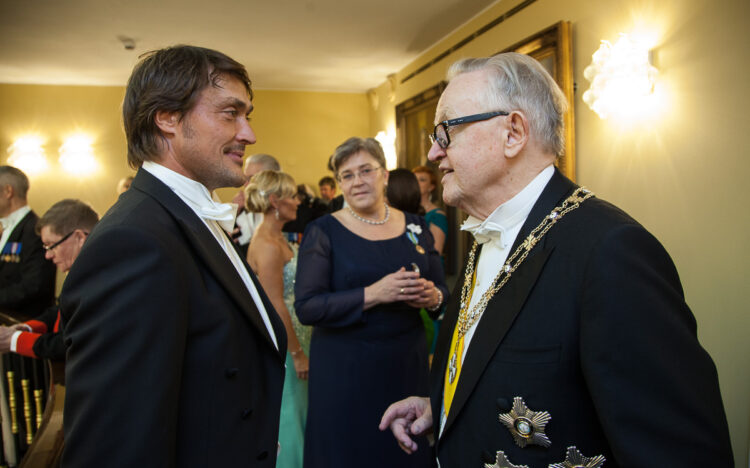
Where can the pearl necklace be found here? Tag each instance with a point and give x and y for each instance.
(369, 221)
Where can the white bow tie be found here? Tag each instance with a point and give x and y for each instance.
(485, 231)
(223, 213)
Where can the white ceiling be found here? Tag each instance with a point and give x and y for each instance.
(324, 45)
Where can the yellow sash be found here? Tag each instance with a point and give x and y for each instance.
(450, 388)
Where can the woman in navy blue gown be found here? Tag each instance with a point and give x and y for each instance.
(363, 274)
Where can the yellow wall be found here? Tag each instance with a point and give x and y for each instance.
(684, 176)
(54, 112)
(300, 128)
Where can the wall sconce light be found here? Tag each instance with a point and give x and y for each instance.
(622, 78)
(27, 154)
(77, 155)
(392, 85)
(388, 141)
(372, 96)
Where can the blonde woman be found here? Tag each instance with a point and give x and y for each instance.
(274, 261)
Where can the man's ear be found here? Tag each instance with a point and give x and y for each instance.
(81, 237)
(6, 191)
(167, 121)
(517, 135)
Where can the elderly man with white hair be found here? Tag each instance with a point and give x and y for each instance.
(568, 341)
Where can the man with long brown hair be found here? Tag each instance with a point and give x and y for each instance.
(175, 354)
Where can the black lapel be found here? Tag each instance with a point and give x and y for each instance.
(210, 252)
(504, 307)
(273, 316)
(15, 236)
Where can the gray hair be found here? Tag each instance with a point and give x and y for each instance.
(353, 146)
(265, 161)
(68, 215)
(520, 82)
(14, 177)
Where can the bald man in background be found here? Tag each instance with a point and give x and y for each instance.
(27, 280)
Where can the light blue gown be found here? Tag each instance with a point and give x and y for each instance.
(294, 397)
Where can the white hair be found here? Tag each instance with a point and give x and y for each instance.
(519, 82)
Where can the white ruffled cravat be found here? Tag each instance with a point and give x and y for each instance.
(483, 231)
(196, 196)
(206, 208)
(223, 213)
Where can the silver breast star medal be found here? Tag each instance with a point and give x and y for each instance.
(501, 461)
(526, 426)
(575, 459)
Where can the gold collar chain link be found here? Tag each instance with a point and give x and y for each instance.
(466, 318)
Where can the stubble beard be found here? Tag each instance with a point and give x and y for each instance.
(223, 175)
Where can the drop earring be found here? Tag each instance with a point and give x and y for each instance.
(277, 213)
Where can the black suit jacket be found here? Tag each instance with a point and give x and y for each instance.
(47, 341)
(592, 328)
(169, 363)
(336, 204)
(27, 286)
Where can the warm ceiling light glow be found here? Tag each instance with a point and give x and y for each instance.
(77, 155)
(27, 154)
(622, 79)
(388, 141)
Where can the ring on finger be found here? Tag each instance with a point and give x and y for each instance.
(402, 291)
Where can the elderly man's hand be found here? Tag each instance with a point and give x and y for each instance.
(412, 416)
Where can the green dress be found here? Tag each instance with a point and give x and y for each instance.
(294, 397)
(432, 327)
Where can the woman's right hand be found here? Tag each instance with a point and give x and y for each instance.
(402, 285)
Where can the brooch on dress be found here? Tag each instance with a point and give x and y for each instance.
(526, 426)
(412, 230)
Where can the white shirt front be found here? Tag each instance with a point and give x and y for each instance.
(248, 223)
(502, 227)
(196, 196)
(10, 222)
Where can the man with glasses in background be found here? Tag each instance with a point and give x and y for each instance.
(63, 230)
(27, 280)
(568, 341)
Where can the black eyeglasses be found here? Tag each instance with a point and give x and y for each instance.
(47, 248)
(440, 134)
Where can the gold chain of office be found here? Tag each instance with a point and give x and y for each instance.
(467, 319)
